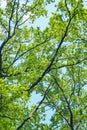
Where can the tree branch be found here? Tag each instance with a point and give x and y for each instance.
(53, 59)
(70, 65)
(67, 102)
(67, 8)
(34, 110)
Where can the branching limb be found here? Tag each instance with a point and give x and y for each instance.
(10, 19)
(34, 110)
(67, 8)
(57, 108)
(69, 65)
(67, 102)
(53, 59)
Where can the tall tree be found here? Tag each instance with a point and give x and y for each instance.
(50, 62)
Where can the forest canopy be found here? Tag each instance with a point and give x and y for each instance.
(43, 53)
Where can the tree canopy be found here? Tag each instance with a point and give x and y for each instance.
(50, 62)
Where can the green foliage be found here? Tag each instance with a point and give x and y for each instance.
(51, 63)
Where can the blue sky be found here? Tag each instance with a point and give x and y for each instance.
(42, 22)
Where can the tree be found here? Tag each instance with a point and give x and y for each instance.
(50, 62)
